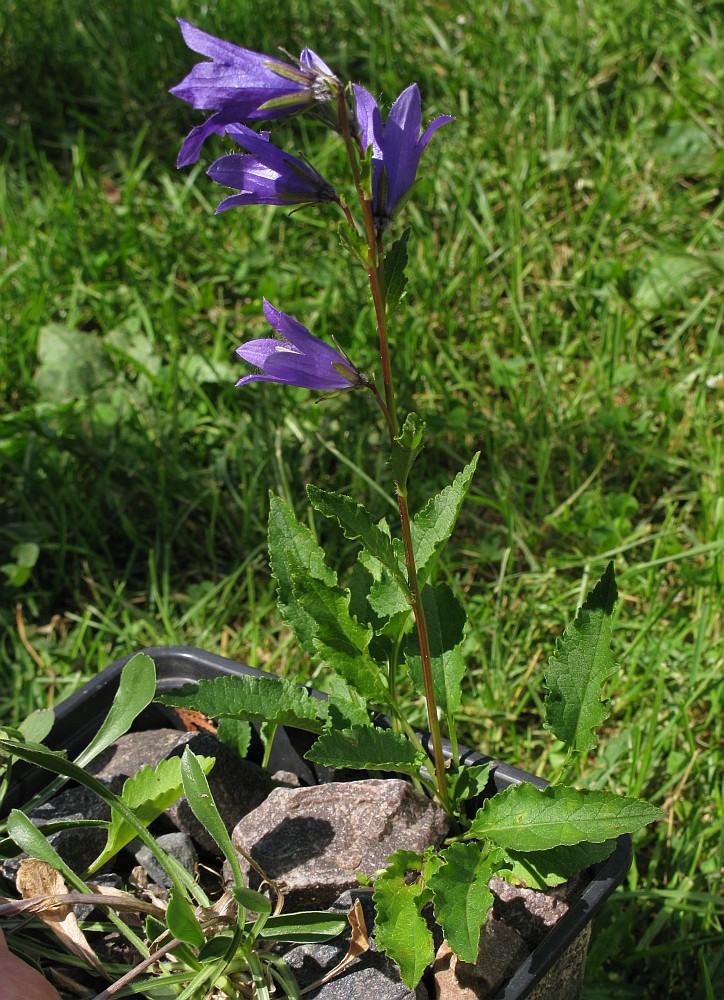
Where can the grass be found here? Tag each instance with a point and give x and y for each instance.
(564, 316)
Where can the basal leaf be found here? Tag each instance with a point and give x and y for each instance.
(357, 523)
(293, 549)
(578, 668)
(543, 869)
(445, 626)
(395, 277)
(338, 639)
(147, 793)
(366, 748)
(136, 689)
(526, 818)
(256, 699)
(346, 707)
(461, 895)
(400, 930)
(182, 922)
(199, 797)
(303, 928)
(433, 525)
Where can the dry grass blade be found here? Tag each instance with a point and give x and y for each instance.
(358, 945)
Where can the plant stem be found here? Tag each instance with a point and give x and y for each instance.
(375, 271)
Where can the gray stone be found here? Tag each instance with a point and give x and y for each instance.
(500, 952)
(237, 786)
(531, 913)
(370, 975)
(179, 845)
(314, 840)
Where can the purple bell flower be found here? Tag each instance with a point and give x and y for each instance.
(298, 359)
(240, 85)
(266, 175)
(396, 147)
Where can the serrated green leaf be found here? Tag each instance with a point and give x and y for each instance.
(544, 869)
(293, 549)
(461, 895)
(147, 793)
(395, 277)
(578, 668)
(346, 707)
(182, 922)
(352, 243)
(235, 734)
(526, 818)
(256, 699)
(445, 626)
(136, 689)
(433, 525)
(400, 930)
(339, 640)
(468, 782)
(357, 523)
(367, 748)
(405, 449)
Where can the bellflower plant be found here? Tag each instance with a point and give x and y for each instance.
(241, 85)
(406, 631)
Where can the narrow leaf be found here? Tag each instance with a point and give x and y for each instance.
(37, 725)
(367, 748)
(526, 818)
(198, 795)
(136, 690)
(400, 930)
(303, 928)
(357, 523)
(293, 549)
(395, 277)
(250, 899)
(461, 895)
(445, 625)
(433, 525)
(256, 699)
(579, 667)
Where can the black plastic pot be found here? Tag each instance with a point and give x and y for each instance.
(553, 970)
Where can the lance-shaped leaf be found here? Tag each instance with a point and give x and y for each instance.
(357, 523)
(461, 895)
(395, 277)
(433, 525)
(293, 549)
(148, 793)
(400, 930)
(526, 818)
(578, 668)
(367, 748)
(543, 869)
(256, 699)
(405, 449)
(445, 627)
(338, 639)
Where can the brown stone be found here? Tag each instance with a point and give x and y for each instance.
(500, 952)
(315, 840)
